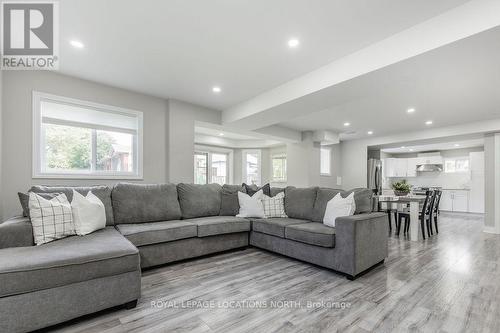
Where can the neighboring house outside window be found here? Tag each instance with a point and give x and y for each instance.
(79, 139)
(278, 164)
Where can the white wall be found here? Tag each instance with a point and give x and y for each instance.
(354, 163)
(335, 158)
(492, 183)
(180, 132)
(168, 131)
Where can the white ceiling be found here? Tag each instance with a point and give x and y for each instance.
(455, 84)
(225, 134)
(438, 146)
(180, 48)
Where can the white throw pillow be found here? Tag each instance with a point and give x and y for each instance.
(251, 206)
(50, 219)
(274, 206)
(89, 214)
(338, 207)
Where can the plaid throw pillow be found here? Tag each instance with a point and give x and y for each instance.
(50, 219)
(274, 206)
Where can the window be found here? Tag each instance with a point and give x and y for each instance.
(325, 161)
(211, 167)
(77, 139)
(456, 165)
(279, 167)
(252, 166)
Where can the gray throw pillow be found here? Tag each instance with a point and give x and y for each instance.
(230, 205)
(299, 202)
(24, 199)
(199, 200)
(252, 189)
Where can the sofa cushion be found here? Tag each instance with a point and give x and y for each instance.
(323, 196)
(363, 198)
(138, 203)
(141, 234)
(199, 200)
(70, 260)
(100, 191)
(313, 233)
(229, 200)
(299, 202)
(217, 225)
(274, 226)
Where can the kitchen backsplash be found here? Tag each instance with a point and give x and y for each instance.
(439, 179)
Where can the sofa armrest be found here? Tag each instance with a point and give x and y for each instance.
(16, 232)
(362, 241)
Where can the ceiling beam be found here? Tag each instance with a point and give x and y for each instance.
(315, 91)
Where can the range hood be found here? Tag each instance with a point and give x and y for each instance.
(430, 168)
(429, 162)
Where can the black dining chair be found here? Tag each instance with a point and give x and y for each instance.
(435, 209)
(423, 216)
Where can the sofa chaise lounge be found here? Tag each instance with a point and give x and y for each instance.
(150, 225)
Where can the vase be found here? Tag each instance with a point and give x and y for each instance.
(400, 193)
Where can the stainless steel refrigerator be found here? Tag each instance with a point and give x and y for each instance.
(374, 180)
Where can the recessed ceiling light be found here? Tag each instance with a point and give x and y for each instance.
(457, 145)
(410, 149)
(293, 43)
(76, 44)
(347, 124)
(428, 122)
(216, 89)
(221, 134)
(403, 147)
(369, 132)
(410, 110)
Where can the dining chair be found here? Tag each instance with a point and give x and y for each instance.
(435, 209)
(423, 216)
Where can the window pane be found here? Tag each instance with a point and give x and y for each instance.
(200, 168)
(219, 168)
(449, 166)
(462, 165)
(252, 168)
(325, 167)
(66, 148)
(279, 168)
(114, 151)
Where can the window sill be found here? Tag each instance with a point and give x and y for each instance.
(76, 176)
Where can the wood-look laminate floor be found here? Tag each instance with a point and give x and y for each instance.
(448, 283)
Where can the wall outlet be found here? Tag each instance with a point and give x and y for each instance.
(339, 181)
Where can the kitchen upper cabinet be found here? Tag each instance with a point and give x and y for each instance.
(411, 170)
(429, 160)
(400, 167)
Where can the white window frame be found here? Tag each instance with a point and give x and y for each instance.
(244, 153)
(199, 149)
(38, 97)
(329, 161)
(280, 156)
(455, 159)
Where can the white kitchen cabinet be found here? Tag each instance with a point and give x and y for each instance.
(446, 202)
(429, 160)
(411, 169)
(454, 201)
(460, 201)
(476, 197)
(396, 167)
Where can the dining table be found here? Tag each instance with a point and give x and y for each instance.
(415, 202)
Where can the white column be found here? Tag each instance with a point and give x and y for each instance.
(492, 183)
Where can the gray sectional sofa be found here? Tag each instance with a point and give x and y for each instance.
(150, 225)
